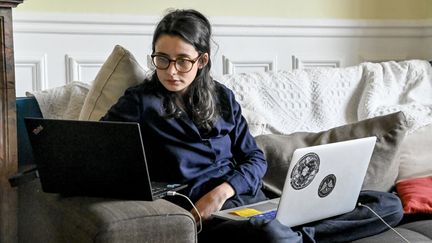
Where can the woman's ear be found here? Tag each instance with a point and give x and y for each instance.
(203, 60)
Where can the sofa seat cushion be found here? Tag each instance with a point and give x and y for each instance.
(88, 219)
(419, 231)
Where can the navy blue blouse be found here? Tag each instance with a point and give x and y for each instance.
(176, 151)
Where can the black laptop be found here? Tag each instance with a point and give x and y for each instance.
(93, 158)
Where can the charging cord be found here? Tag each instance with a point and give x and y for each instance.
(173, 193)
(405, 239)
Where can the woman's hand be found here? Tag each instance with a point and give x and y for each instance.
(213, 201)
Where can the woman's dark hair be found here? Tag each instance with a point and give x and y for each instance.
(195, 29)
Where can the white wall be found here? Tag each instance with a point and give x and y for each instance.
(53, 49)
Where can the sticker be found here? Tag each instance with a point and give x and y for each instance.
(37, 130)
(305, 171)
(327, 185)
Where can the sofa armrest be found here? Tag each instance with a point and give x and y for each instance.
(50, 218)
(25, 107)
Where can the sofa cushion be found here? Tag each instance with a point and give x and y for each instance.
(119, 72)
(383, 168)
(48, 217)
(62, 102)
(415, 154)
(416, 195)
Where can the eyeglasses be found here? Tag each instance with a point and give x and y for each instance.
(182, 65)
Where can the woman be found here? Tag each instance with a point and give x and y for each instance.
(192, 125)
(194, 133)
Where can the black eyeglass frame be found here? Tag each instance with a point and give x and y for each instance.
(193, 61)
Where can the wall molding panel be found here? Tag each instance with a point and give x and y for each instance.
(298, 62)
(231, 66)
(34, 70)
(376, 57)
(76, 45)
(104, 24)
(78, 66)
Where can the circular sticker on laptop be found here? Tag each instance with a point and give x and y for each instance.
(305, 171)
(327, 185)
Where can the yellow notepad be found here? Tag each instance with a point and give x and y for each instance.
(246, 212)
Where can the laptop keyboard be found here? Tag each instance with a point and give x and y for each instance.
(160, 189)
(266, 215)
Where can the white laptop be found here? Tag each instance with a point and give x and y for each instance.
(322, 181)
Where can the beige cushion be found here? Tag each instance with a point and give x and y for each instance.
(416, 154)
(383, 168)
(119, 72)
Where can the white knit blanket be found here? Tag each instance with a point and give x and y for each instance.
(398, 86)
(321, 98)
(64, 102)
(312, 100)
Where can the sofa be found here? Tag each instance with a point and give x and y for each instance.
(285, 110)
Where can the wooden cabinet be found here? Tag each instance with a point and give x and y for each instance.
(8, 137)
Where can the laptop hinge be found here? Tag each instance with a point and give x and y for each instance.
(24, 177)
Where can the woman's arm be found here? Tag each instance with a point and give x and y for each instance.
(250, 166)
(250, 163)
(213, 201)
